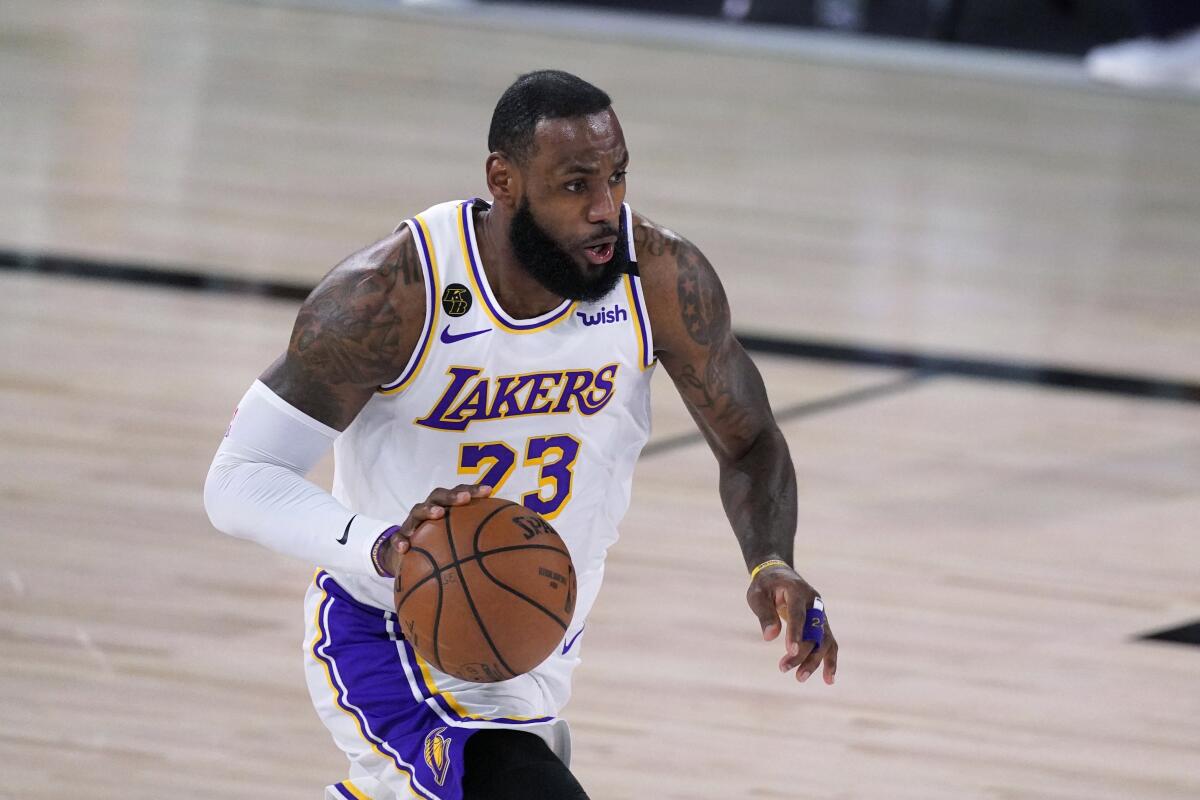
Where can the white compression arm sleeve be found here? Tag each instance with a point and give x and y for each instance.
(256, 487)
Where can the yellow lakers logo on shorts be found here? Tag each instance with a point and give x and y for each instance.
(437, 754)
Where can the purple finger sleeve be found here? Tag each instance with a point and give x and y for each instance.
(814, 624)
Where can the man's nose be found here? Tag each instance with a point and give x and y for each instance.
(603, 207)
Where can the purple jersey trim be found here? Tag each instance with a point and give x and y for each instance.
(433, 696)
(484, 287)
(431, 291)
(635, 287)
(627, 214)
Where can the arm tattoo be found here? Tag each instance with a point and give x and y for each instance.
(726, 393)
(701, 300)
(720, 399)
(652, 241)
(405, 261)
(349, 330)
(349, 335)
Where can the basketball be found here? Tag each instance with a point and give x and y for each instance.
(486, 593)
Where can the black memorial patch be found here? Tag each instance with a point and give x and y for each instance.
(456, 300)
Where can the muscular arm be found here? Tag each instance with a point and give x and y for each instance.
(724, 393)
(355, 332)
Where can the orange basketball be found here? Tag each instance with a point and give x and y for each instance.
(487, 592)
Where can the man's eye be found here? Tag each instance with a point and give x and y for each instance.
(575, 186)
(618, 177)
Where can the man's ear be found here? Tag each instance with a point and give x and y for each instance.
(503, 180)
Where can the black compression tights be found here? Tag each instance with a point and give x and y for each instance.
(514, 765)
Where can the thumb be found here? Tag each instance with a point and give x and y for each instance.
(763, 606)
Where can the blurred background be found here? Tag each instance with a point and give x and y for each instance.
(1055, 26)
(961, 239)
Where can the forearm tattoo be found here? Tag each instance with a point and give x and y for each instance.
(726, 394)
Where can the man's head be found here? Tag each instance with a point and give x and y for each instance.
(557, 166)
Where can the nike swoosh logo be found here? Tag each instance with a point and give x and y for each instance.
(568, 645)
(451, 338)
(346, 533)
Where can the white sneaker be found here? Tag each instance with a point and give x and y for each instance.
(1148, 63)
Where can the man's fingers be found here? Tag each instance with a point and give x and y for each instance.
(458, 496)
(831, 662)
(466, 492)
(448, 497)
(809, 665)
(795, 655)
(423, 512)
(435, 507)
(439, 500)
(763, 607)
(809, 641)
(400, 541)
(796, 613)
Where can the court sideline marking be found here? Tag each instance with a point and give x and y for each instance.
(805, 408)
(927, 364)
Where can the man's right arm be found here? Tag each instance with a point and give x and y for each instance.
(356, 331)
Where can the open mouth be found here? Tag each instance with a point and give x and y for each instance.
(599, 253)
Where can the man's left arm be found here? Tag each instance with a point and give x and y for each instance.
(724, 392)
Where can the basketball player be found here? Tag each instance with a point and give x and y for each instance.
(504, 348)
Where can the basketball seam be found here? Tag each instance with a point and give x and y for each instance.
(462, 578)
(518, 593)
(483, 568)
(437, 623)
(436, 571)
(479, 554)
(493, 513)
(437, 611)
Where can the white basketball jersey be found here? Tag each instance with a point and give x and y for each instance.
(551, 411)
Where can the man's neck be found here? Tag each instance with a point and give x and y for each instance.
(518, 292)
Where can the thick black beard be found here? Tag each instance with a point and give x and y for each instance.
(553, 267)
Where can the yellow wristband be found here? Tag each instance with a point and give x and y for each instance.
(774, 562)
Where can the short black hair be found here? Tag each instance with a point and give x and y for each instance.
(533, 97)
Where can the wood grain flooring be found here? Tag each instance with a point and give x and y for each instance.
(989, 552)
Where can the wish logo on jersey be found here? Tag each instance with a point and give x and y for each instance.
(473, 397)
(604, 316)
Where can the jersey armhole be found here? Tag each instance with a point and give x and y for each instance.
(428, 259)
(637, 303)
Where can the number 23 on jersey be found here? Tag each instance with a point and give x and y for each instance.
(493, 462)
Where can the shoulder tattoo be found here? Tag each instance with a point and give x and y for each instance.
(651, 240)
(350, 328)
(702, 303)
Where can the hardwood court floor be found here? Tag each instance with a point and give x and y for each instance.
(989, 551)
